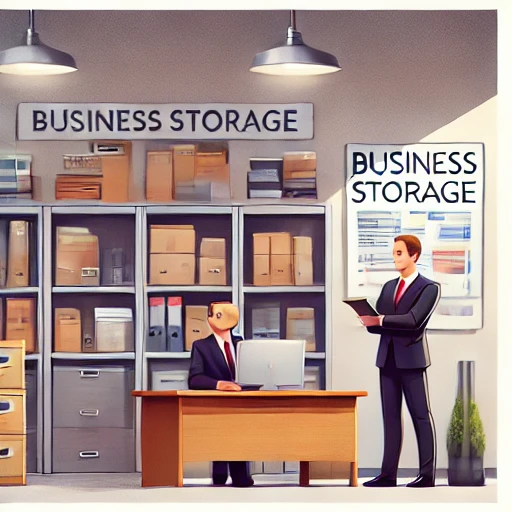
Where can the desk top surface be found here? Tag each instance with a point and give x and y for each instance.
(244, 394)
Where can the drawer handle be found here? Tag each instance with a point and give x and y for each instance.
(4, 361)
(89, 455)
(89, 412)
(89, 374)
(6, 453)
(6, 406)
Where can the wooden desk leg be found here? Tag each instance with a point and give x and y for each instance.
(304, 474)
(161, 446)
(353, 474)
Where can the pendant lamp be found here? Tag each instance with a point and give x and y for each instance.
(294, 57)
(35, 58)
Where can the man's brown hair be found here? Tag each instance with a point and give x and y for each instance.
(412, 243)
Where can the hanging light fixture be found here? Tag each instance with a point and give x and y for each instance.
(294, 57)
(35, 58)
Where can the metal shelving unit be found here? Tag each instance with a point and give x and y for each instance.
(83, 356)
(93, 289)
(167, 355)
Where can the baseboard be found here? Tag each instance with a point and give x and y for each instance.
(412, 472)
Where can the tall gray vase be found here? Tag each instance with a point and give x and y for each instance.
(466, 467)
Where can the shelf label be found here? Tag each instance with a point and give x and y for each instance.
(87, 121)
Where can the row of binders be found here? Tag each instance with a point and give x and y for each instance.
(294, 176)
(109, 330)
(18, 321)
(77, 261)
(17, 260)
(172, 258)
(187, 172)
(16, 176)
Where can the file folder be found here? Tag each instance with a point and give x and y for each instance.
(156, 340)
(174, 328)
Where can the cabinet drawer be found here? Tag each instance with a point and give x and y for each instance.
(12, 369)
(12, 413)
(93, 450)
(93, 397)
(12, 455)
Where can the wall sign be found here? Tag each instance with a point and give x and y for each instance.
(86, 121)
(434, 191)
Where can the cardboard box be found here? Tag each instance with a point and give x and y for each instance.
(216, 173)
(12, 364)
(167, 239)
(261, 243)
(68, 330)
(184, 162)
(18, 258)
(212, 271)
(281, 270)
(116, 170)
(213, 248)
(159, 176)
(299, 161)
(21, 322)
(280, 243)
(261, 270)
(300, 325)
(303, 260)
(196, 324)
(172, 269)
(212, 158)
(78, 187)
(77, 249)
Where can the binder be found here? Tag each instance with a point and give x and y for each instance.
(21, 322)
(174, 328)
(88, 338)
(18, 254)
(156, 341)
(4, 231)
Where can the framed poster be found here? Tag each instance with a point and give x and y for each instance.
(433, 191)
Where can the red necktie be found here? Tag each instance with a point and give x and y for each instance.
(229, 357)
(399, 291)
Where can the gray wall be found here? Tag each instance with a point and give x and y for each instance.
(407, 76)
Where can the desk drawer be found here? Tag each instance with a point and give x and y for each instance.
(12, 370)
(93, 397)
(12, 455)
(93, 450)
(12, 413)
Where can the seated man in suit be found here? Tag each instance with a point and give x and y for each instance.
(212, 366)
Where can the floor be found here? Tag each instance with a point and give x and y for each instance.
(125, 488)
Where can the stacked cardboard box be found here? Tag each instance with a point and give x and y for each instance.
(272, 259)
(21, 321)
(299, 174)
(172, 254)
(104, 174)
(77, 257)
(159, 176)
(212, 262)
(13, 414)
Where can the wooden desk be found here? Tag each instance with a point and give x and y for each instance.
(193, 426)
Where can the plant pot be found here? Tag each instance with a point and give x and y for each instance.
(466, 471)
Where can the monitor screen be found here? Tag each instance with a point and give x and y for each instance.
(273, 364)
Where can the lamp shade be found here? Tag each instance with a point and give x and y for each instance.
(294, 58)
(35, 58)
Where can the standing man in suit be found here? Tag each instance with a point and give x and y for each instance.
(212, 366)
(405, 306)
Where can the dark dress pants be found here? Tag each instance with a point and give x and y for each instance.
(239, 471)
(412, 384)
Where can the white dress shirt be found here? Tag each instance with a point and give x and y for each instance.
(220, 341)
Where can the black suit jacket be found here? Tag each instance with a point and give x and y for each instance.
(405, 325)
(208, 364)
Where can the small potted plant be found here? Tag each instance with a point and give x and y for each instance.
(466, 437)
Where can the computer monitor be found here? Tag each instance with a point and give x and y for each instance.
(272, 364)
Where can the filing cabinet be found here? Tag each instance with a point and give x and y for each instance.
(93, 419)
(90, 450)
(92, 397)
(12, 413)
